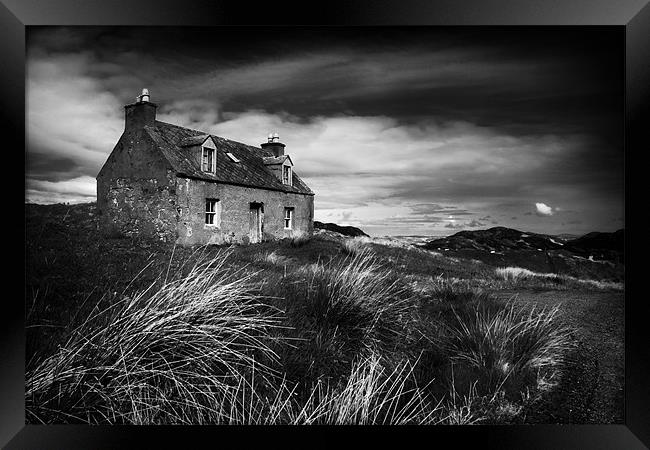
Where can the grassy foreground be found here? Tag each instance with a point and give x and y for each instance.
(328, 330)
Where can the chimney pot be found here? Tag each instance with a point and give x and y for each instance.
(274, 145)
(141, 113)
(144, 97)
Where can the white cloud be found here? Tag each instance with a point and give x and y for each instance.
(69, 115)
(76, 190)
(379, 146)
(543, 209)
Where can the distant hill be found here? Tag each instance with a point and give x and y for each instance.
(496, 239)
(506, 246)
(347, 231)
(599, 242)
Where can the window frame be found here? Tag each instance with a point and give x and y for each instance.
(290, 210)
(215, 213)
(288, 180)
(213, 161)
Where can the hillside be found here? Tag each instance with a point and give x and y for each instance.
(497, 239)
(606, 246)
(344, 230)
(349, 307)
(589, 255)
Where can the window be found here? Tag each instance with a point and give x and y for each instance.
(232, 157)
(208, 161)
(288, 218)
(212, 216)
(286, 175)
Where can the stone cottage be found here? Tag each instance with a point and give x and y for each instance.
(187, 186)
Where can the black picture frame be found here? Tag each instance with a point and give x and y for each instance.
(632, 15)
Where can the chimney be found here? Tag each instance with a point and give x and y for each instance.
(274, 145)
(141, 113)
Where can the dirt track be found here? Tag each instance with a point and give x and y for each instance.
(591, 390)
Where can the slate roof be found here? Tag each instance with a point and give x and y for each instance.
(271, 160)
(251, 171)
(193, 140)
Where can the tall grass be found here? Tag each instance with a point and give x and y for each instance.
(300, 241)
(341, 310)
(372, 395)
(517, 273)
(505, 349)
(518, 276)
(355, 246)
(271, 257)
(167, 355)
(338, 342)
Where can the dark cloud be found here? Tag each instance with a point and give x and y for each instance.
(454, 225)
(435, 122)
(52, 167)
(485, 78)
(415, 220)
(434, 208)
(475, 223)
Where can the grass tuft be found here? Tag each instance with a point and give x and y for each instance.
(167, 355)
(300, 241)
(504, 349)
(271, 257)
(343, 309)
(355, 246)
(519, 276)
(372, 395)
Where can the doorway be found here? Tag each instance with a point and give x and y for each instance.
(256, 222)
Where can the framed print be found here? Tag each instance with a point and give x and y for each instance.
(364, 219)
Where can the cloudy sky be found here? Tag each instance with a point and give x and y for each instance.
(397, 130)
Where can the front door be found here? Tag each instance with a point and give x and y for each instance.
(256, 222)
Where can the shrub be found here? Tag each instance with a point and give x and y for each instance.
(167, 355)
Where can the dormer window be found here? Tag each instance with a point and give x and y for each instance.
(203, 151)
(281, 167)
(286, 175)
(208, 160)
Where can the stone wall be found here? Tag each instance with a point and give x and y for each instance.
(138, 193)
(235, 209)
(136, 190)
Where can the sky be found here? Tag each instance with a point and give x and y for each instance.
(398, 131)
